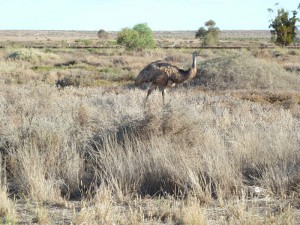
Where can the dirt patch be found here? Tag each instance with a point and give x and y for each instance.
(276, 98)
(282, 99)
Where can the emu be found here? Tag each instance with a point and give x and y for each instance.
(162, 74)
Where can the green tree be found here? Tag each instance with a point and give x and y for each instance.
(200, 33)
(210, 23)
(210, 35)
(102, 34)
(138, 38)
(284, 27)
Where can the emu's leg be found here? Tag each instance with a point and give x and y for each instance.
(152, 87)
(163, 95)
(169, 84)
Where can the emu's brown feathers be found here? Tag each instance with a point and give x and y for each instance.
(162, 74)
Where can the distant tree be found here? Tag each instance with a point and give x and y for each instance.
(200, 33)
(102, 34)
(284, 29)
(138, 38)
(210, 23)
(210, 36)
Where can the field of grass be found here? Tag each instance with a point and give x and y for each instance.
(223, 149)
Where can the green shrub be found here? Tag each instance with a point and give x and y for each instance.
(209, 36)
(138, 38)
(30, 55)
(284, 27)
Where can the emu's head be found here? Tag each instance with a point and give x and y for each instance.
(196, 54)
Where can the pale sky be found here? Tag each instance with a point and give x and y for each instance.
(113, 15)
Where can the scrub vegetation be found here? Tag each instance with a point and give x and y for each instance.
(223, 149)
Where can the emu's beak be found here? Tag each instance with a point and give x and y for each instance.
(197, 53)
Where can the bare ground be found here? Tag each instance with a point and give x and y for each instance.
(265, 210)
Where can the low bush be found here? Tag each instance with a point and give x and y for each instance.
(140, 37)
(30, 55)
(244, 71)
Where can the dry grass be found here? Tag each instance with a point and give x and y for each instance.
(7, 211)
(222, 69)
(94, 155)
(215, 148)
(241, 70)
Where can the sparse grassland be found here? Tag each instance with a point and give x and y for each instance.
(224, 149)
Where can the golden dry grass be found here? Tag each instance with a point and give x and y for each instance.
(224, 149)
(207, 147)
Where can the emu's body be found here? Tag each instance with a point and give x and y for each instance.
(162, 74)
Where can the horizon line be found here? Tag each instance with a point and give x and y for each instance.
(119, 30)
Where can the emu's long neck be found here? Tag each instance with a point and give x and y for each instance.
(186, 74)
(193, 70)
(194, 62)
